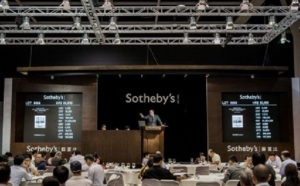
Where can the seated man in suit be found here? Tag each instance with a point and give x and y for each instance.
(152, 119)
(157, 172)
(234, 169)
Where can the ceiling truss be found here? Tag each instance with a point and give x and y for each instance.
(143, 33)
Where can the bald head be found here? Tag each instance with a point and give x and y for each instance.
(261, 174)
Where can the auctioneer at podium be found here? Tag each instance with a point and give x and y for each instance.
(153, 133)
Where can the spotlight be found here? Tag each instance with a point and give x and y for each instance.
(229, 23)
(117, 39)
(202, 5)
(52, 77)
(283, 38)
(294, 5)
(251, 40)
(113, 25)
(40, 40)
(2, 39)
(193, 24)
(272, 22)
(85, 39)
(217, 39)
(4, 5)
(77, 24)
(25, 25)
(186, 39)
(246, 5)
(66, 5)
(107, 5)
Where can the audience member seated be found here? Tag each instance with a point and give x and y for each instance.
(57, 158)
(28, 166)
(246, 178)
(247, 162)
(78, 157)
(40, 161)
(145, 158)
(163, 164)
(95, 172)
(285, 156)
(234, 169)
(274, 160)
(157, 172)
(145, 167)
(33, 157)
(261, 175)
(61, 173)
(291, 176)
(77, 179)
(260, 158)
(52, 155)
(3, 159)
(201, 159)
(10, 158)
(17, 172)
(50, 181)
(4, 173)
(215, 158)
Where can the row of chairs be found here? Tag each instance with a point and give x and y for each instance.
(155, 182)
(201, 170)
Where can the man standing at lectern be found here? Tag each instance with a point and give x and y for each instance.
(152, 119)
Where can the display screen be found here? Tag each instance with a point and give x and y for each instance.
(52, 117)
(250, 117)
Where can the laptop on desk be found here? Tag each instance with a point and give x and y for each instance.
(142, 123)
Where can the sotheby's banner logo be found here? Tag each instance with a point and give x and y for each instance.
(154, 98)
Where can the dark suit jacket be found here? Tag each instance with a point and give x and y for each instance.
(152, 121)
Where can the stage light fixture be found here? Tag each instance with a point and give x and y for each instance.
(77, 23)
(66, 5)
(251, 40)
(4, 5)
(25, 25)
(2, 39)
(85, 39)
(193, 24)
(229, 23)
(295, 5)
(113, 25)
(117, 39)
(283, 38)
(272, 22)
(40, 40)
(217, 39)
(186, 39)
(107, 5)
(227, 40)
(246, 5)
(202, 5)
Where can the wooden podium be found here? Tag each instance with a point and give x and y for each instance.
(153, 139)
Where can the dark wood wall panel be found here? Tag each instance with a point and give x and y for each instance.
(114, 145)
(215, 87)
(85, 85)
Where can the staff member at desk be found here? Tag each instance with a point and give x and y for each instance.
(152, 119)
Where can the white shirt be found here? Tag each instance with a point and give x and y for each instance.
(96, 174)
(276, 163)
(17, 174)
(78, 181)
(216, 157)
(80, 158)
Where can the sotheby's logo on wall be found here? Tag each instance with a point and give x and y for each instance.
(164, 99)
